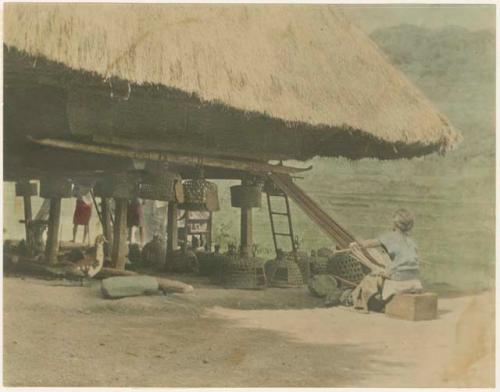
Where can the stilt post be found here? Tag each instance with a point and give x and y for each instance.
(52, 245)
(246, 232)
(171, 227)
(107, 227)
(120, 251)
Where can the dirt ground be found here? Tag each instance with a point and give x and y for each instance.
(61, 335)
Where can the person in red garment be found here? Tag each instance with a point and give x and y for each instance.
(81, 217)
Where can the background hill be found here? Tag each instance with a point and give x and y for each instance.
(455, 68)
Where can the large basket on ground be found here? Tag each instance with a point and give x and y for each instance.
(287, 273)
(200, 195)
(181, 261)
(119, 186)
(242, 273)
(346, 266)
(164, 186)
(319, 264)
(304, 263)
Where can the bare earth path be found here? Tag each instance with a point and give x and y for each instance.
(70, 336)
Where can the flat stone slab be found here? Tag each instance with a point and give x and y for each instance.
(129, 286)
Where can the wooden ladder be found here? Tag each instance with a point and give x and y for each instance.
(329, 226)
(286, 213)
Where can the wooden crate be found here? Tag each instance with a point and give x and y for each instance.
(413, 307)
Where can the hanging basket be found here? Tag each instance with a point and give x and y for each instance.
(80, 190)
(55, 188)
(271, 189)
(246, 196)
(26, 189)
(119, 186)
(200, 195)
(159, 186)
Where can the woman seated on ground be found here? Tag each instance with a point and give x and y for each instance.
(402, 274)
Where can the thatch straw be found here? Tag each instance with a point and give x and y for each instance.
(300, 64)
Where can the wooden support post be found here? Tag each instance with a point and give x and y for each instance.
(209, 233)
(246, 232)
(52, 246)
(107, 227)
(28, 217)
(171, 227)
(120, 250)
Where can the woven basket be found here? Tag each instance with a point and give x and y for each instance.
(26, 189)
(319, 265)
(242, 273)
(80, 190)
(271, 189)
(244, 196)
(183, 261)
(346, 266)
(119, 186)
(159, 186)
(288, 273)
(154, 253)
(200, 195)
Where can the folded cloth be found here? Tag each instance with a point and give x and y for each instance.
(367, 288)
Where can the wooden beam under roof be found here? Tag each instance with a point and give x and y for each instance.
(192, 160)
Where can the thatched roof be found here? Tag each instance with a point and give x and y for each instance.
(305, 65)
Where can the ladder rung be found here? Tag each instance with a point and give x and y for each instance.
(284, 234)
(278, 213)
